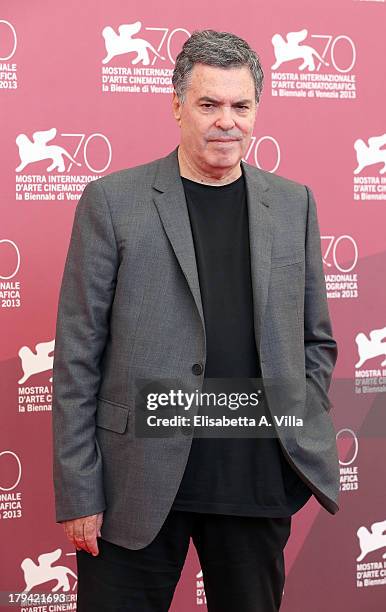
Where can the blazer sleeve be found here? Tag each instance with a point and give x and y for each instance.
(85, 300)
(319, 345)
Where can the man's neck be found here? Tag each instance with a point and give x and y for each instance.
(187, 170)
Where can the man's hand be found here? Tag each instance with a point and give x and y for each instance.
(83, 532)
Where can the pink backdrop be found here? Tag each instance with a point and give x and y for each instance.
(319, 123)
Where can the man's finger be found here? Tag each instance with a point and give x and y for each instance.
(79, 538)
(90, 536)
(69, 530)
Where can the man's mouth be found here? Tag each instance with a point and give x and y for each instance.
(223, 140)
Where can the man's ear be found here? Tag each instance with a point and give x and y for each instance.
(176, 108)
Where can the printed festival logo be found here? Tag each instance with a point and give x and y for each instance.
(369, 182)
(35, 397)
(348, 448)
(8, 46)
(140, 59)
(36, 574)
(10, 493)
(373, 571)
(200, 589)
(10, 287)
(57, 167)
(313, 65)
(59, 595)
(340, 258)
(370, 347)
(264, 152)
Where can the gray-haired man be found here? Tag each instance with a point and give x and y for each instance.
(193, 267)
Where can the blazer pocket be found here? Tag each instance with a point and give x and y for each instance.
(287, 259)
(111, 415)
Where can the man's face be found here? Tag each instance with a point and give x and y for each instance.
(217, 116)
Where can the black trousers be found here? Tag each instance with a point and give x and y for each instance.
(241, 559)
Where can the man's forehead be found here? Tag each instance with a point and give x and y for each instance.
(218, 83)
(206, 71)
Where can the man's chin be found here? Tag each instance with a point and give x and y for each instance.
(224, 159)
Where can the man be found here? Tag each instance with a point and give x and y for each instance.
(194, 267)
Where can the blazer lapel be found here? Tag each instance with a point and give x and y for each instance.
(260, 241)
(172, 208)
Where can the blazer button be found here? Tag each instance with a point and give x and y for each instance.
(197, 369)
(187, 430)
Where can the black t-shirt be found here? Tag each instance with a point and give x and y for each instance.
(240, 476)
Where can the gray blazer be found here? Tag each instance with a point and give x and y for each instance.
(130, 308)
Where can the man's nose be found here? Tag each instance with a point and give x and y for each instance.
(225, 120)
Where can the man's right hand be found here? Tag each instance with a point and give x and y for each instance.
(83, 532)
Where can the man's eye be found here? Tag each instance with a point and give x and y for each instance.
(207, 105)
(243, 107)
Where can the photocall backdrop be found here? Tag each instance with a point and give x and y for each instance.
(85, 90)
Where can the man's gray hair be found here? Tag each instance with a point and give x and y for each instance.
(221, 49)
